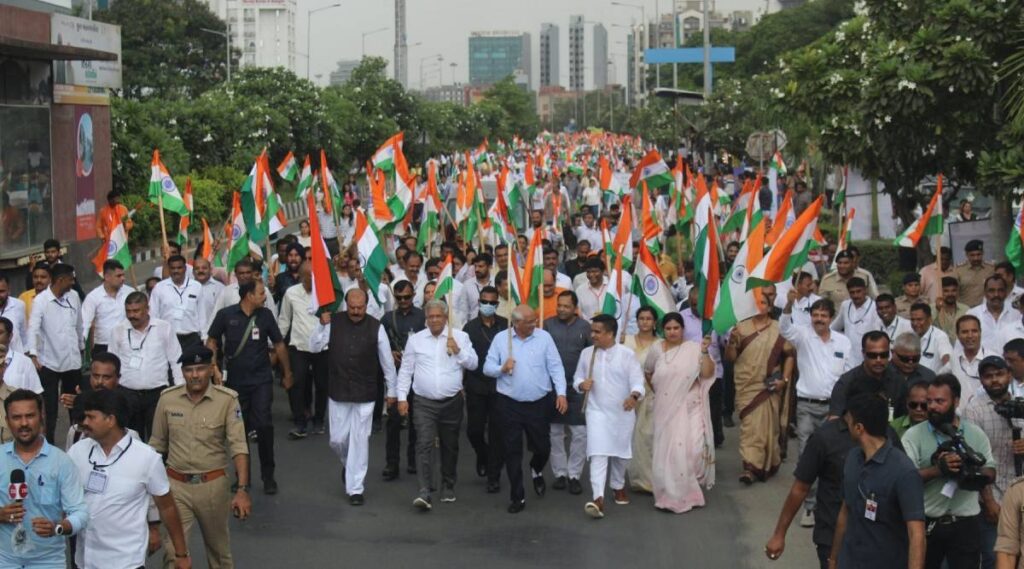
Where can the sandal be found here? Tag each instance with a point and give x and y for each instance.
(747, 478)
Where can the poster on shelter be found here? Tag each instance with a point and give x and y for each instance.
(85, 179)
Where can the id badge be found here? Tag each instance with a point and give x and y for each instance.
(949, 489)
(870, 509)
(134, 362)
(255, 334)
(97, 482)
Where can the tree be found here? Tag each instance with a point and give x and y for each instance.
(165, 53)
(518, 106)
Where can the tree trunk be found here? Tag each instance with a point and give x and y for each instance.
(999, 223)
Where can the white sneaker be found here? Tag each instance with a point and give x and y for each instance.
(807, 521)
(595, 509)
(422, 503)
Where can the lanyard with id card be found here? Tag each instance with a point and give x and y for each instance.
(96, 483)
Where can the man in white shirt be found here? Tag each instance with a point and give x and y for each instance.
(591, 293)
(481, 278)
(211, 288)
(590, 231)
(432, 366)
(891, 322)
(379, 303)
(308, 368)
(967, 354)
(562, 280)
(176, 301)
(805, 298)
(162, 271)
(147, 350)
(857, 316)
(822, 356)
(995, 314)
(460, 301)
(18, 373)
(1008, 272)
(936, 350)
(1013, 353)
(103, 307)
(613, 383)
(120, 476)
(245, 271)
(13, 309)
(54, 340)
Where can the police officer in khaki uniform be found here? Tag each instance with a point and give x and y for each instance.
(198, 426)
(972, 273)
(1010, 532)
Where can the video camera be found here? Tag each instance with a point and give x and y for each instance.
(969, 477)
(1011, 408)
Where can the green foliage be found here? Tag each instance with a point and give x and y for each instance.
(164, 52)
(517, 105)
(882, 259)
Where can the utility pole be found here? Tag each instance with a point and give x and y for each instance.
(707, 78)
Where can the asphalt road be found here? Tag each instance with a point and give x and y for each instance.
(311, 524)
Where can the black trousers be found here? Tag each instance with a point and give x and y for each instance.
(728, 389)
(378, 403)
(55, 384)
(308, 395)
(393, 435)
(255, 401)
(483, 432)
(958, 544)
(534, 419)
(715, 397)
(143, 409)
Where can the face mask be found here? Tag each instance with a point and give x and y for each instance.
(488, 310)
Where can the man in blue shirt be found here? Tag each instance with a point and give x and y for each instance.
(54, 505)
(526, 377)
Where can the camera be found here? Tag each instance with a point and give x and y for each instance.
(1011, 408)
(969, 477)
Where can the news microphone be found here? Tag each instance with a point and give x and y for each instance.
(17, 490)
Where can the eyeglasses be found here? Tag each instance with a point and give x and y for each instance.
(403, 297)
(919, 405)
(876, 355)
(489, 302)
(909, 359)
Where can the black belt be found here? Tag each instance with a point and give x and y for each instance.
(947, 519)
(808, 400)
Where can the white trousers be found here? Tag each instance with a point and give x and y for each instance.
(599, 466)
(570, 466)
(350, 425)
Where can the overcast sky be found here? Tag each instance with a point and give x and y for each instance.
(443, 27)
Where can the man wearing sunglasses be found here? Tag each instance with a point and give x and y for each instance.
(916, 406)
(402, 322)
(995, 380)
(875, 365)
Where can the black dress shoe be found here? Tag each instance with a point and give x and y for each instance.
(575, 487)
(390, 473)
(727, 421)
(270, 487)
(481, 469)
(560, 483)
(493, 487)
(356, 500)
(516, 507)
(539, 486)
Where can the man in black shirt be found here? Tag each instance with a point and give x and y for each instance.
(241, 331)
(823, 460)
(402, 322)
(896, 374)
(293, 258)
(481, 392)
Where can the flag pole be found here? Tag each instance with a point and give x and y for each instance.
(590, 377)
(163, 224)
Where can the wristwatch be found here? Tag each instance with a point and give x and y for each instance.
(635, 396)
(59, 530)
(243, 487)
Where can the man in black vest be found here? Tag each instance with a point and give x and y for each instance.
(402, 322)
(482, 392)
(352, 383)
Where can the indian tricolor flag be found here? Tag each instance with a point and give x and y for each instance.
(515, 280)
(207, 250)
(743, 203)
(431, 224)
(384, 157)
(162, 189)
(372, 258)
(445, 280)
(706, 263)
(1015, 246)
(380, 214)
(776, 168)
(238, 239)
(653, 170)
(930, 223)
(288, 168)
(605, 175)
(735, 302)
(504, 231)
(115, 247)
(305, 181)
(784, 219)
(529, 176)
(754, 213)
(612, 299)
(405, 186)
(648, 225)
(326, 295)
(791, 250)
(844, 235)
(533, 273)
(623, 242)
(185, 220)
(329, 187)
(649, 285)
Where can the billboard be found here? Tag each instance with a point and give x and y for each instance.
(76, 79)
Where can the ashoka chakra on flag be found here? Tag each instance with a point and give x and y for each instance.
(651, 285)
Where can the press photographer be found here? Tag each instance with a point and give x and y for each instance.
(949, 466)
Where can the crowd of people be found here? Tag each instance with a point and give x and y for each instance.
(899, 402)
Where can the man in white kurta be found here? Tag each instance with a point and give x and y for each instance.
(614, 383)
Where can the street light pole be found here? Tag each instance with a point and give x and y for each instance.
(640, 49)
(370, 33)
(707, 77)
(422, 59)
(227, 50)
(309, 19)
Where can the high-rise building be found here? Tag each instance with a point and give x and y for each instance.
(600, 56)
(549, 54)
(343, 73)
(576, 49)
(401, 46)
(494, 56)
(262, 30)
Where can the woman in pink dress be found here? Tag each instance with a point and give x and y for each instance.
(681, 374)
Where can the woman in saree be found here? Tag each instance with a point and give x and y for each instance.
(639, 469)
(681, 374)
(762, 367)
